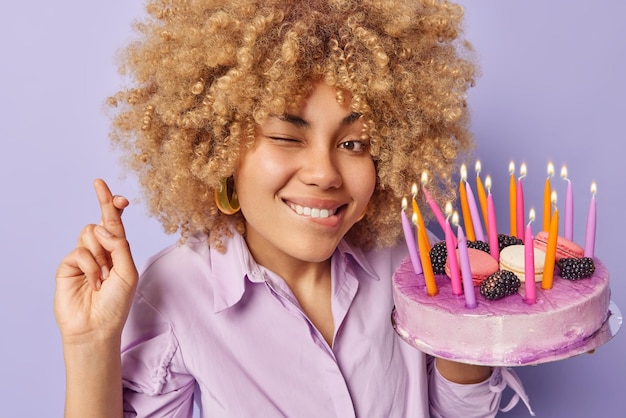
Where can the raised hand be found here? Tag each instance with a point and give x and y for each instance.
(95, 283)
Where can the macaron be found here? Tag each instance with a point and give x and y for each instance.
(512, 258)
(564, 247)
(482, 265)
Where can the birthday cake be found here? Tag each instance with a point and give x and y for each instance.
(504, 332)
(497, 315)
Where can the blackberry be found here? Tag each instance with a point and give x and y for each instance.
(479, 245)
(438, 256)
(500, 284)
(576, 268)
(505, 240)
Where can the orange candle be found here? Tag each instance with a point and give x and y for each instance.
(427, 267)
(512, 200)
(553, 233)
(547, 205)
(467, 216)
(482, 196)
(418, 213)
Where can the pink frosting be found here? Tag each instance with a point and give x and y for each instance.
(504, 332)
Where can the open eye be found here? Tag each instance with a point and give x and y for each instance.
(355, 145)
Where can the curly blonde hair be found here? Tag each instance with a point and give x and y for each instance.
(205, 72)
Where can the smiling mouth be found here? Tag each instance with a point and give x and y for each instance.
(314, 212)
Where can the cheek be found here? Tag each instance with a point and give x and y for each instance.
(259, 171)
(368, 180)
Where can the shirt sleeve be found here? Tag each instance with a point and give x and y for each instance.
(155, 380)
(480, 400)
(449, 399)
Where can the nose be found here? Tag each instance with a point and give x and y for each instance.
(320, 168)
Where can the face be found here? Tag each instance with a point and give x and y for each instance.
(306, 180)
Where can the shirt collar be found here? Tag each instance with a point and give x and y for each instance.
(231, 269)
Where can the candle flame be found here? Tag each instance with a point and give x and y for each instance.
(455, 218)
(522, 171)
(564, 173)
(511, 168)
(594, 188)
(404, 203)
(553, 198)
(478, 167)
(424, 178)
(414, 218)
(448, 209)
(414, 190)
(531, 215)
(488, 183)
(550, 169)
(463, 172)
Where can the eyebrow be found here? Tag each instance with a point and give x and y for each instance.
(302, 123)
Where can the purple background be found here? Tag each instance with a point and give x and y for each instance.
(552, 88)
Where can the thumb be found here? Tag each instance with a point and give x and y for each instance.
(121, 256)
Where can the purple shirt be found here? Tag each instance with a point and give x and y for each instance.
(221, 327)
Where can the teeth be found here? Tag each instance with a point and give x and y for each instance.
(313, 212)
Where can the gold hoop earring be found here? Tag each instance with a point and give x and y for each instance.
(362, 215)
(226, 205)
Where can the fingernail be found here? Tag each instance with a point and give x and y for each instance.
(103, 232)
(105, 272)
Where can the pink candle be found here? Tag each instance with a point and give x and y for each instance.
(492, 230)
(410, 239)
(568, 220)
(466, 271)
(590, 233)
(529, 262)
(520, 203)
(432, 203)
(512, 200)
(471, 201)
(455, 274)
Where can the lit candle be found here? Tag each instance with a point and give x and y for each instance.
(568, 221)
(482, 196)
(410, 239)
(529, 262)
(512, 200)
(547, 205)
(520, 203)
(478, 229)
(492, 230)
(553, 233)
(590, 233)
(417, 212)
(427, 267)
(432, 203)
(455, 274)
(466, 270)
(465, 209)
